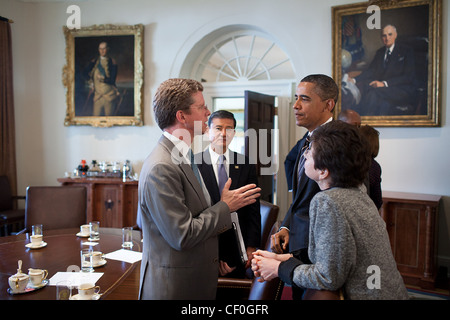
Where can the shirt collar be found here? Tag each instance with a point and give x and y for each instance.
(179, 144)
(391, 48)
(329, 120)
(215, 156)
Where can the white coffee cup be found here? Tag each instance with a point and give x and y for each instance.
(37, 276)
(18, 282)
(97, 257)
(36, 240)
(85, 229)
(86, 291)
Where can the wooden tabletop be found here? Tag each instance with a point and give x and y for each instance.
(119, 279)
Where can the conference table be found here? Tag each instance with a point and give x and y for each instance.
(120, 279)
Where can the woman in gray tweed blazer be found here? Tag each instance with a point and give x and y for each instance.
(349, 245)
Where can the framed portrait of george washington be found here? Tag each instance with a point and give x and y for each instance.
(103, 75)
(386, 61)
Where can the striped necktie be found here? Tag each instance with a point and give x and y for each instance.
(301, 162)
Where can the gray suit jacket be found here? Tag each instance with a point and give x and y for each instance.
(180, 231)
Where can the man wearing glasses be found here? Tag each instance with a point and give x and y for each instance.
(180, 228)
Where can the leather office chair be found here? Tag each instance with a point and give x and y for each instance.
(267, 290)
(55, 207)
(239, 289)
(11, 218)
(269, 215)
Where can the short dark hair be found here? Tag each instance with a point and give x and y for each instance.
(221, 114)
(326, 87)
(173, 95)
(340, 148)
(373, 139)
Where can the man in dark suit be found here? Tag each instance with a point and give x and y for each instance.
(388, 82)
(290, 161)
(316, 97)
(222, 126)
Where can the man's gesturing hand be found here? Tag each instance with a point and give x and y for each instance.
(238, 198)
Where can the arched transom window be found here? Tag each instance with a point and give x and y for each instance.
(243, 57)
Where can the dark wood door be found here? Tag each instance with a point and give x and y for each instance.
(108, 205)
(259, 118)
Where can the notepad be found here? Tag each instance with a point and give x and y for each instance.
(75, 278)
(124, 255)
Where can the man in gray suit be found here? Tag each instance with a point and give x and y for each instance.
(180, 227)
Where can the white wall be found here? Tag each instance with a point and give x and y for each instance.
(413, 159)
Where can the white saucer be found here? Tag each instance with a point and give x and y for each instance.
(77, 297)
(82, 235)
(94, 240)
(29, 288)
(41, 285)
(100, 264)
(30, 245)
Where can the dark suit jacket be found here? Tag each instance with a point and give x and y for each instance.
(297, 217)
(289, 163)
(399, 72)
(241, 173)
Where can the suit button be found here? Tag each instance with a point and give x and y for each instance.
(215, 260)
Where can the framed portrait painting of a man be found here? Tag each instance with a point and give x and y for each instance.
(103, 75)
(386, 60)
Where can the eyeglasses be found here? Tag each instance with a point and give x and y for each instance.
(204, 107)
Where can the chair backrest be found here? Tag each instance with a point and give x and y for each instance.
(269, 215)
(267, 290)
(55, 207)
(6, 202)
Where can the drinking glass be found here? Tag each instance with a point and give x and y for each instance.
(87, 263)
(95, 230)
(36, 230)
(63, 290)
(127, 237)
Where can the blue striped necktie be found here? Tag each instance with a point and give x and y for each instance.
(301, 163)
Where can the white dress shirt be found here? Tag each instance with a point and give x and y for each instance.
(215, 162)
(183, 148)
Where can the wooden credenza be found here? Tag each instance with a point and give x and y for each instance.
(411, 221)
(109, 200)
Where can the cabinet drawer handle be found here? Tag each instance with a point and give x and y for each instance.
(109, 204)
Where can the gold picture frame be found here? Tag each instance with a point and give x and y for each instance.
(357, 50)
(103, 75)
